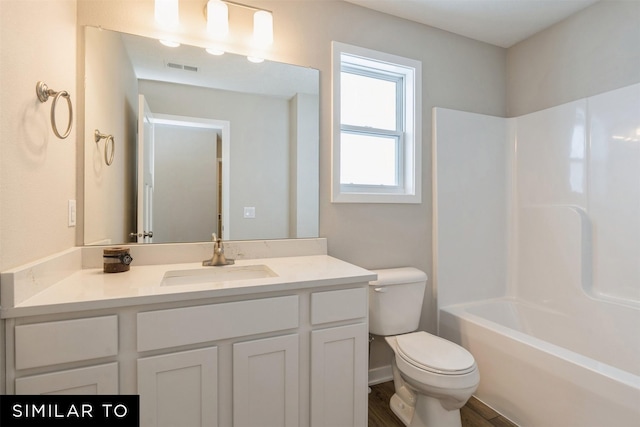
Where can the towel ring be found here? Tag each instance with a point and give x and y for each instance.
(108, 157)
(43, 92)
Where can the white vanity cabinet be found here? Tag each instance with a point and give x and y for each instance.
(292, 357)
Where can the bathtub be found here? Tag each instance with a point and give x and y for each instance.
(542, 367)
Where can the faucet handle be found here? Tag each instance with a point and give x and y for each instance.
(218, 257)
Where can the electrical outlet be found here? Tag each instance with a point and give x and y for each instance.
(72, 213)
(250, 212)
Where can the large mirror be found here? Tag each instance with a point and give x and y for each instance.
(201, 144)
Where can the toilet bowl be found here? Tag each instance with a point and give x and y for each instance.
(433, 377)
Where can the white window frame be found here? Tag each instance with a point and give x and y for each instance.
(410, 140)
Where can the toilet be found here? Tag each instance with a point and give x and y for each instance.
(433, 377)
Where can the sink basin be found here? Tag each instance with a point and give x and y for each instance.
(216, 274)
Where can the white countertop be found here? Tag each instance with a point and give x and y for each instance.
(91, 288)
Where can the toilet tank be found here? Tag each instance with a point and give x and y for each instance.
(395, 300)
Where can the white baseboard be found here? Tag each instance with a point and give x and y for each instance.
(380, 374)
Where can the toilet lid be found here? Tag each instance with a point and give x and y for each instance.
(434, 354)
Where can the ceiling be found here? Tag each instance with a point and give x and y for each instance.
(498, 22)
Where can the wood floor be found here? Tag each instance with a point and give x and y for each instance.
(473, 414)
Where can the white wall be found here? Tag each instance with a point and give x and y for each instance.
(37, 170)
(594, 51)
(109, 191)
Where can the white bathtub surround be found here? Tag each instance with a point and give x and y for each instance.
(539, 217)
(470, 188)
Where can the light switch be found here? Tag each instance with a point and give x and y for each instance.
(72, 213)
(249, 212)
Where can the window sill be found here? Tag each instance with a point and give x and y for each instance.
(376, 198)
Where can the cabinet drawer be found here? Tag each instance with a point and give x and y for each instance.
(101, 379)
(51, 343)
(192, 325)
(334, 306)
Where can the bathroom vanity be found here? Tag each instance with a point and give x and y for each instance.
(282, 338)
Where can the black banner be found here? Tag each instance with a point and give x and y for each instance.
(70, 411)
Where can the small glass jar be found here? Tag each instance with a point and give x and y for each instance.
(116, 260)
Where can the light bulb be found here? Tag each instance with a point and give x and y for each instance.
(166, 13)
(217, 18)
(262, 28)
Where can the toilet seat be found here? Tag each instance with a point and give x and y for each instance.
(434, 354)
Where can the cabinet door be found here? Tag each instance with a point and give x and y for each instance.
(102, 379)
(179, 389)
(265, 382)
(339, 376)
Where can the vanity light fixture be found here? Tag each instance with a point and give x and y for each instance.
(217, 14)
(166, 13)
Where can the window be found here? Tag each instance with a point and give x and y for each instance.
(376, 127)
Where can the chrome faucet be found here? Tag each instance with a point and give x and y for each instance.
(218, 257)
